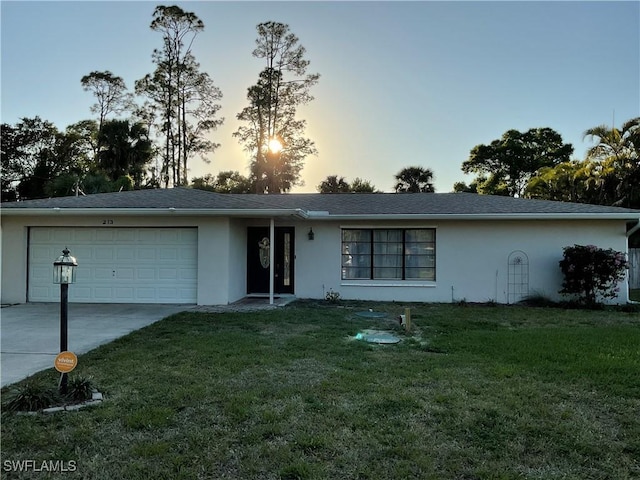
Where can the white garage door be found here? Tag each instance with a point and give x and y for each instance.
(117, 265)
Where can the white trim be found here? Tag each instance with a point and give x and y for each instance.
(272, 256)
(388, 225)
(634, 229)
(303, 214)
(483, 216)
(384, 283)
(292, 212)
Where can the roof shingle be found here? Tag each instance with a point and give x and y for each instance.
(334, 204)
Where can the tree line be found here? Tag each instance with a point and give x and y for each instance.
(146, 138)
(538, 164)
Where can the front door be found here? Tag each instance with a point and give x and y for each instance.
(258, 247)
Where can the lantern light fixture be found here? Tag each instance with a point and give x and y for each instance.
(64, 268)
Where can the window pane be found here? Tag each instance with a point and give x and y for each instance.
(354, 248)
(349, 273)
(384, 272)
(356, 236)
(415, 261)
(388, 248)
(387, 235)
(420, 273)
(419, 249)
(387, 261)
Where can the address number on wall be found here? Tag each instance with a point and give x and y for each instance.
(107, 221)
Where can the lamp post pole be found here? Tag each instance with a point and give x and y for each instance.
(64, 273)
(64, 309)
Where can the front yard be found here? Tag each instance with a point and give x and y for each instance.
(477, 392)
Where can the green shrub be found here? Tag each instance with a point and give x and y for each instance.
(332, 297)
(591, 272)
(30, 397)
(80, 389)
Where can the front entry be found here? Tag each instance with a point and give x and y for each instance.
(258, 246)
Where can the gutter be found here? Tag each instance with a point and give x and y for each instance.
(154, 212)
(634, 229)
(466, 216)
(311, 214)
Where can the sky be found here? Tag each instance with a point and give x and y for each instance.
(402, 83)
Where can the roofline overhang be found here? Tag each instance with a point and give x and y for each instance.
(155, 212)
(308, 215)
(482, 216)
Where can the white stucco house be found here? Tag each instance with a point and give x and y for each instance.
(195, 247)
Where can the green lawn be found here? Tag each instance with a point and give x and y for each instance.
(478, 392)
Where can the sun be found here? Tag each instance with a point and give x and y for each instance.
(275, 145)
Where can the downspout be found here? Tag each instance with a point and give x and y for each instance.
(272, 245)
(633, 230)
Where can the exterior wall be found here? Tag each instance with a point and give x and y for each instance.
(471, 256)
(237, 260)
(213, 244)
(471, 259)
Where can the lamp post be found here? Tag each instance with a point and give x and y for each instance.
(64, 273)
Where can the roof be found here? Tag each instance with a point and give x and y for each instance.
(187, 201)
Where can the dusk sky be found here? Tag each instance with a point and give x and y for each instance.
(402, 83)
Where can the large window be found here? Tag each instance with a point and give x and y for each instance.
(389, 254)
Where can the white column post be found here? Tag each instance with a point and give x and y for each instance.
(272, 246)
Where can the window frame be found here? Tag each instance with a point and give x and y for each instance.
(372, 254)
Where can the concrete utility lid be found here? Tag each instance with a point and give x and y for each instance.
(371, 314)
(377, 336)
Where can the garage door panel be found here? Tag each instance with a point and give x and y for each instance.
(104, 253)
(117, 265)
(124, 295)
(125, 273)
(188, 274)
(125, 254)
(146, 274)
(105, 235)
(168, 254)
(126, 235)
(100, 273)
(79, 293)
(167, 274)
(61, 236)
(43, 253)
(145, 253)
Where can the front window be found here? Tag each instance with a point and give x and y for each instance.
(388, 254)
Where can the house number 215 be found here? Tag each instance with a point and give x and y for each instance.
(107, 221)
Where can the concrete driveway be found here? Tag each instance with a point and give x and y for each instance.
(30, 333)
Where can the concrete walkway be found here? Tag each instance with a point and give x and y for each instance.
(30, 333)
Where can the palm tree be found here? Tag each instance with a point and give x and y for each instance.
(619, 149)
(414, 180)
(126, 150)
(334, 184)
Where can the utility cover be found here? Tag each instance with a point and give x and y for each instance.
(371, 314)
(377, 336)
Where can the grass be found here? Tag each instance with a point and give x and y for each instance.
(476, 392)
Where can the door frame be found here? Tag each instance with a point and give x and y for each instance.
(283, 261)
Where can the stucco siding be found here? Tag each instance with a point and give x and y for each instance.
(471, 259)
(237, 260)
(471, 256)
(213, 238)
(14, 256)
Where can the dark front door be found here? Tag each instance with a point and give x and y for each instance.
(258, 247)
